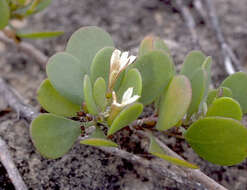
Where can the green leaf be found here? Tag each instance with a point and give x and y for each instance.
(198, 83)
(86, 42)
(125, 117)
(237, 83)
(88, 95)
(159, 44)
(98, 138)
(53, 102)
(175, 102)
(207, 67)
(216, 93)
(132, 78)
(5, 14)
(66, 76)
(53, 135)
(99, 93)
(193, 61)
(225, 107)
(156, 150)
(156, 69)
(150, 43)
(101, 64)
(40, 34)
(218, 140)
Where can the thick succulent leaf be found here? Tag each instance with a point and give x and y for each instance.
(237, 83)
(4, 14)
(53, 135)
(207, 67)
(53, 102)
(101, 64)
(150, 43)
(156, 150)
(156, 69)
(225, 107)
(98, 138)
(88, 95)
(99, 93)
(125, 117)
(216, 93)
(198, 83)
(193, 61)
(159, 44)
(37, 35)
(66, 76)
(146, 45)
(175, 102)
(218, 140)
(86, 42)
(132, 78)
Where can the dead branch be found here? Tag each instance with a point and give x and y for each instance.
(190, 22)
(155, 165)
(14, 100)
(10, 167)
(195, 175)
(231, 62)
(27, 49)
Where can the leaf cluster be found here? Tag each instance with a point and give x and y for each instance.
(87, 88)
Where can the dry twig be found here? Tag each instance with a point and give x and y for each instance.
(8, 163)
(231, 62)
(196, 175)
(190, 22)
(26, 48)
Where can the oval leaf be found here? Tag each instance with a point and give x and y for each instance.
(125, 117)
(156, 69)
(53, 135)
(98, 138)
(216, 93)
(198, 83)
(175, 102)
(101, 64)
(88, 94)
(207, 67)
(86, 42)
(132, 78)
(4, 11)
(225, 107)
(150, 43)
(192, 62)
(237, 83)
(53, 102)
(66, 75)
(218, 140)
(99, 93)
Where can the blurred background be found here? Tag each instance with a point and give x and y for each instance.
(128, 22)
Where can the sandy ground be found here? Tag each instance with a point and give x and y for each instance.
(128, 22)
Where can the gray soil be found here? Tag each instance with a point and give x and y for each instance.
(128, 22)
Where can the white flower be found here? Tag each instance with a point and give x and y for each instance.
(127, 98)
(119, 62)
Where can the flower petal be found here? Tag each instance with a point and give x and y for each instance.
(124, 60)
(115, 58)
(127, 94)
(130, 100)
